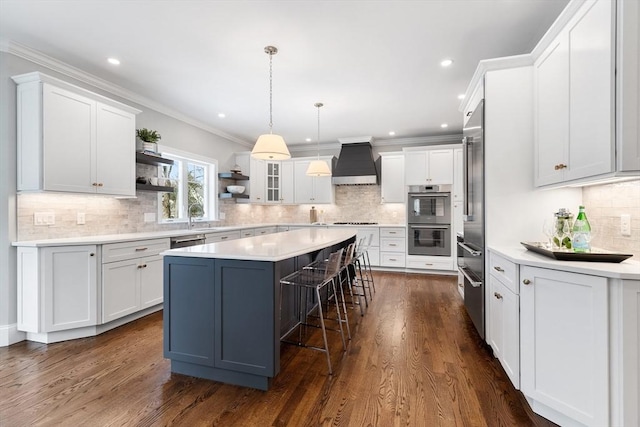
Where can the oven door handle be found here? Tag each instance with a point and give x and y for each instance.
(429, 195)
(444, 227)
(472, 282)
(472, 251)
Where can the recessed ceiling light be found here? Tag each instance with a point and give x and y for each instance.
(392, 133)
(444, 125)
(446, 62)
(461, 96)
(308, 139)
(113, 61)
(222, 115)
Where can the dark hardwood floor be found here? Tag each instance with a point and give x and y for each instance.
(414, 360)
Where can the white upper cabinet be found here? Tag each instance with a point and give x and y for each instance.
(575, 85)
(72, 140)
(279, 182)
(257, 180)
(392, 189)
(458, 175)
(429, 167)
(312, 189)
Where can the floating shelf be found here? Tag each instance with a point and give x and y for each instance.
(149, 187)
(150, 159)
(232, 196)
(232, 175)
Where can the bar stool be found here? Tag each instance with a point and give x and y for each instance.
(349, 276)
(363, 264)
(320, 279)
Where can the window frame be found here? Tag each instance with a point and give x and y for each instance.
(211, 185)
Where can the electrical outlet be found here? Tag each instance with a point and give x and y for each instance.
(625, 225)
(80, 218)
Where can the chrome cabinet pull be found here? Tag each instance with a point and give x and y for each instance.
(500, 269)
(141, 249)
(526, 281)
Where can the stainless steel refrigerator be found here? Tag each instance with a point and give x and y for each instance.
(472, 249)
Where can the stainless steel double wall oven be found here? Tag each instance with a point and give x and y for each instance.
(429, 220)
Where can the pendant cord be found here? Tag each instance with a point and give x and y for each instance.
(318, 140)
(270, 92)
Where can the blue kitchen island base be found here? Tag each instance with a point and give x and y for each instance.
(222, 317)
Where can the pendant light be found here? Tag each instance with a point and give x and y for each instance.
(270, 146)
(318, 167)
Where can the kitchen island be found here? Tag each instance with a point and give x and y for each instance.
(222, 318)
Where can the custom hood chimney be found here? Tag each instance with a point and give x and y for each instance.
(355, 163)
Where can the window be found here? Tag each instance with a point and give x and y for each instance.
(195, 180)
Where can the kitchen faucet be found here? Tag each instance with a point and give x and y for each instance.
(189, 221)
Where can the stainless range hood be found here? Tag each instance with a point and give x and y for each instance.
(355, 164)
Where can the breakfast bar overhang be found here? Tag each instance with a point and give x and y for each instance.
(222, 318)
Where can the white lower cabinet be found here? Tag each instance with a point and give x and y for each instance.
(503, 326)
(221, 237)
(424, 262)
(57, 289)
(393, 243)
(565, 346)
(134, 282)
(371, 236)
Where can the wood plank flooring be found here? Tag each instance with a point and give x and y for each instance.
(414, 360)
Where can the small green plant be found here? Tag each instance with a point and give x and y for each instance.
(147, 135)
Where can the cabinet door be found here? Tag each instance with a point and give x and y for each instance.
(151, 281)
(392, 189)
(303, 182)
(115, 151)
(120, 290)
(551, 112)
(440, 167)
(70, 287)
(257, 182)
(287, 183)
(272, 188)
(504, 328)
(323, 191)
(415, 168)
(68, 141)
(458, 175)
(591, 65)
(564, 343)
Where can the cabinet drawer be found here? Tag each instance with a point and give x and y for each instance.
(221, 237)
(429, 263)
(388, 259)
(392, 244)
(393, 232)
(370, 234)
(264, 230)
(247, 233)
(505, 271)
(127, 250)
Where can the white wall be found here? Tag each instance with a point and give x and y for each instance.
(175, 133)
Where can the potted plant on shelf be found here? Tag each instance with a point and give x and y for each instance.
(149, 139)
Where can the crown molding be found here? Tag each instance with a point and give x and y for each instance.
(419, 141)
(37, 57)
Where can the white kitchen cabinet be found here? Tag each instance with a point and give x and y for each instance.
(131, 277)
(457, 199)
(503, 326)
(257, 182)
(371, 237)
(264, 230)
(221, 236)
(57, 289)
(59, 123)
(392, 189)
(312, 189)
(279, 182)
(565, 344)
(393, 246)
(430, 167)
(423, 262)
(574, 99)
(247, 233)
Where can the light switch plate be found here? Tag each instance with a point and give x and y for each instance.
(44, 218)
(80, 218)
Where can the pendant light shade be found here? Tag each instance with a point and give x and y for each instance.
(318, 167)
(270, 146)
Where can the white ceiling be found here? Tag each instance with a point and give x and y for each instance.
(374, 64)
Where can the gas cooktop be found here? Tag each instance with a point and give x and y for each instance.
(355, 223)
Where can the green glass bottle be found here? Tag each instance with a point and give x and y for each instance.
(581, 232)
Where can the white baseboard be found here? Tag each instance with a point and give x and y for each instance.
(9, 334)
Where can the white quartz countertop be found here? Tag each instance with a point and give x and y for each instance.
(128, 237)
(627, 269)
(269, 247)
